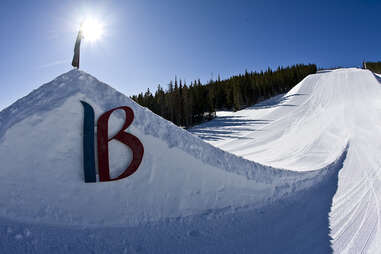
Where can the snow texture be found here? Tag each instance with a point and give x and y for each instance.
(307, 128)
(312, 188)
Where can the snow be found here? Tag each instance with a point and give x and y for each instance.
(291, 175)
(307, 129)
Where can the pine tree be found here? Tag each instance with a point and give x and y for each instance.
(186, 106)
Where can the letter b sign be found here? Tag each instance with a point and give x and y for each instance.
(102, 145)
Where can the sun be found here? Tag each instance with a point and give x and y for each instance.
(92, 29)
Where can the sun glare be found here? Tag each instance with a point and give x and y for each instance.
(92, 29)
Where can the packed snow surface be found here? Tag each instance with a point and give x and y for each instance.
(307, 128)
(296, 174)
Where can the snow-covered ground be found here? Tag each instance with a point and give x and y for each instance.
(307, 128)
(290, 175)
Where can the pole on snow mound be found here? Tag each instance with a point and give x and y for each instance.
(77, 46)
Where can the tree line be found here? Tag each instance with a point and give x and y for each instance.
(373, 66)
(189, 104)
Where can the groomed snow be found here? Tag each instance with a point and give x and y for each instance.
(307, 128)
(189, 196)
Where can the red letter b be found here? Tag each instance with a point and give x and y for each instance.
(123, 137)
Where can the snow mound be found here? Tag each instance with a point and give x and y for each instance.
(41, 176)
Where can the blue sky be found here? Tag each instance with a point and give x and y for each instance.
(149, 42)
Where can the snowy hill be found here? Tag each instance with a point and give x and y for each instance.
(307, 128)
(189, 196)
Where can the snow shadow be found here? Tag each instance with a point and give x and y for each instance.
(220, 128)
(276, 101)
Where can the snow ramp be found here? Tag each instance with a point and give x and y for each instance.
(307, 128)
(187, 196)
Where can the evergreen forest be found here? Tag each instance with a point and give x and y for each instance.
(373, 66)
(189, 104)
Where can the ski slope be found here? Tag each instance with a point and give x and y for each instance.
(297, 174)
(307, 128)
